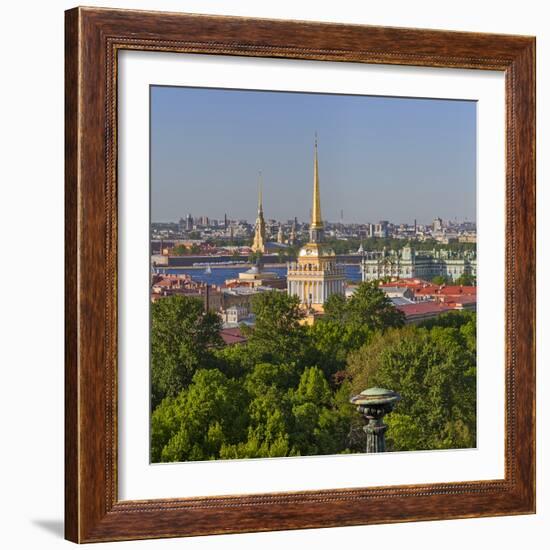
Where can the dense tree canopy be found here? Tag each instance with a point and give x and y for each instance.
(195, 425)
(434, 370)
(272, 412)
(368, 307)
(330, 342)
(286, 391)
(182, 339)
(277, 335)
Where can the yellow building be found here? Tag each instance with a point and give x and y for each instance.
(315, 275)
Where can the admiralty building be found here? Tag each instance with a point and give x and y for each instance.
(408, 263)
(315, 275)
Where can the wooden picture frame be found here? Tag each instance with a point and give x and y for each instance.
(93, 511)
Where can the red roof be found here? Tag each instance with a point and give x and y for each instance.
(427, 290)
(458, 290)
(163, 283)
(464, 300)
(232, 336)
(424, 308)
(424, 288)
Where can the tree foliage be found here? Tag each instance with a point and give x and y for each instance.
(351, 245)
(286, 391)
(466, 279)
(368, 307)
(273, 412)
(434, 370)
(204, 417)
(331, 342)
(183, 337)
(182, 250)
(277, 335)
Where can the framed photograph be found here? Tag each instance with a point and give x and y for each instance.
(300, 275)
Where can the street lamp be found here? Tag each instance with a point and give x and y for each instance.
(374, 404)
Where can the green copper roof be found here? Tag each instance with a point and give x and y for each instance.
(378, 392)
(375, 396)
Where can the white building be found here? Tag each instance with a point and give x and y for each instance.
(407, 263)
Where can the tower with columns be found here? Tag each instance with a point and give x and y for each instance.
(315, 275)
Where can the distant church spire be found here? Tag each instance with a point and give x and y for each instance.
(280, 235)
(258, 244)
(292, 236)
(260, 205)
(316, 230)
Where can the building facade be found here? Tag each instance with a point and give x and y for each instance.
(407, 263)
(315, 275)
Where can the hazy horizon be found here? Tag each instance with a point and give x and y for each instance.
(380, 158)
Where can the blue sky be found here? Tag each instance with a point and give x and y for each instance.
(379, 158)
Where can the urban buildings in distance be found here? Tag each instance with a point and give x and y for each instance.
(309, 260)
(236, 232)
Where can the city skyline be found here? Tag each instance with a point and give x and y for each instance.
(396, 159)
(198, 216)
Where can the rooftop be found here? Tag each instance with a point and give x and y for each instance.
(424, 308)
(232, 336)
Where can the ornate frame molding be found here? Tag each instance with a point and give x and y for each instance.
(93, 38)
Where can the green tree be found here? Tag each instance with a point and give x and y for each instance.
(269, 412)
(435, 372)
(195, 425)
(368, 306)
(330, 342)
(180, 250)
(336, 425)
(313, 388)
(336, 309)
(183, 337)
(439, 280)
(320, 420)
(291, 415)
(278, 336)
(466, 279)
(266, 376)
(453, 319)
(286, 391)
(233, 361)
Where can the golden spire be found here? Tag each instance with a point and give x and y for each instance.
(258, 244)
(260, 206)
(316, 220)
